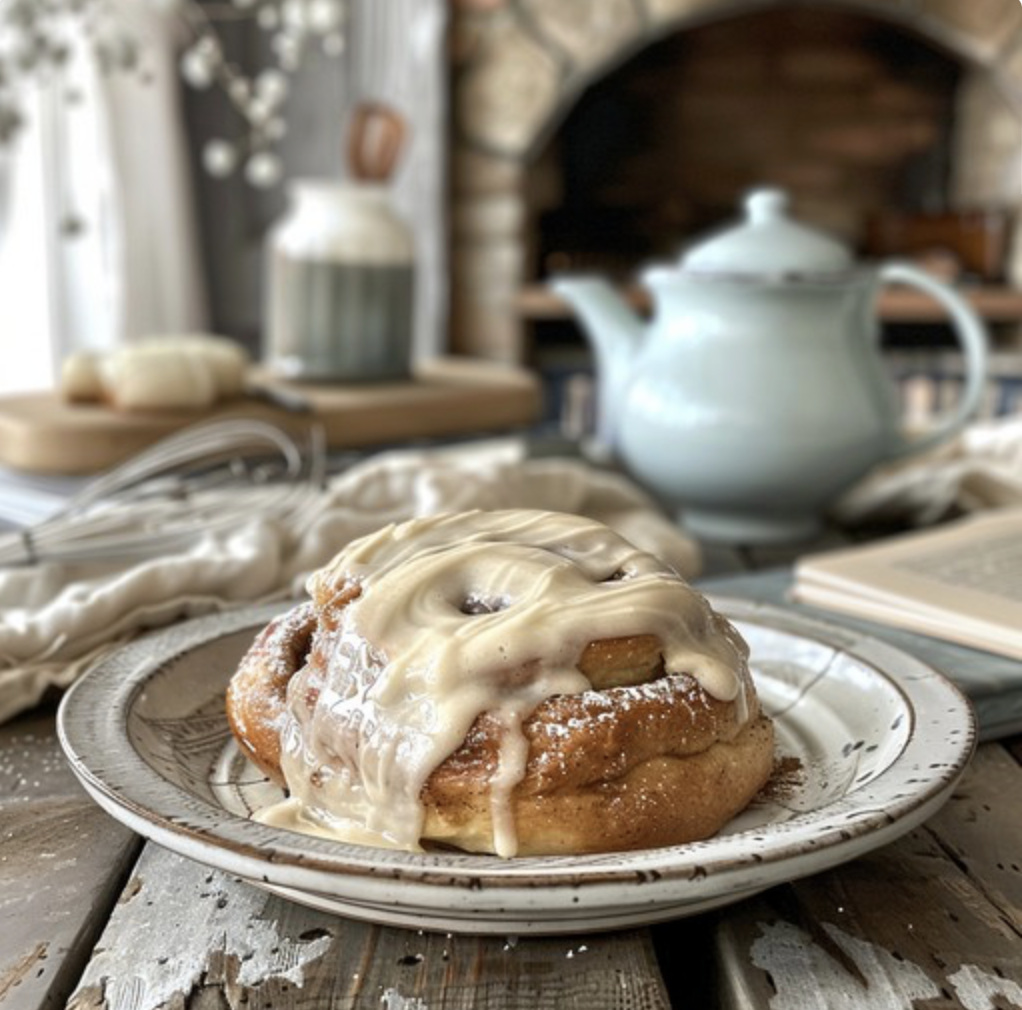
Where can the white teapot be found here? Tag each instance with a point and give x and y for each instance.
(757, 393)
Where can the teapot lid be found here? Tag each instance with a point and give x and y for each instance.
(768, 241)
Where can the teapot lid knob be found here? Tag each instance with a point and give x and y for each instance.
(769, 242)
(763, 205)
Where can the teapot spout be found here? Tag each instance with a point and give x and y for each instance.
(614, 332)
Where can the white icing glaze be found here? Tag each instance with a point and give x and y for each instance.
(459, 615)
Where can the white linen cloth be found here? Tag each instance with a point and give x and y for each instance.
(57, 619)
(981, 468)
(99, 240)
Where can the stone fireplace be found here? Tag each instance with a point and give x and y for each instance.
(599, 134)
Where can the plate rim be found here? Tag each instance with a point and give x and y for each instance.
(259, 852)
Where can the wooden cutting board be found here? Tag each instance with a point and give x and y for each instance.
(41, 433)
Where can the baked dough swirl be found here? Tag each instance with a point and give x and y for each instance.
(515, 682)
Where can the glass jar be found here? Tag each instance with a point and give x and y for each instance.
(340, 285)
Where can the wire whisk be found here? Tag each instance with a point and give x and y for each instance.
(206, 479)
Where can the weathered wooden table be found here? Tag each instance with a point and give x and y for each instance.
(92, 917)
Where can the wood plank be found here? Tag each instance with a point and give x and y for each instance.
(62, 864)
(981, 829)
(932, 922)
(993, 304)
(185, 935)
(41, 433)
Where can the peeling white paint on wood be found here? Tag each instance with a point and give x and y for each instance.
(12, 975)
(805, 975)
(976, 989)
(183, 935)
(393, 1000)
(158, 945)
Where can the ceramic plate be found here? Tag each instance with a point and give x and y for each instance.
(873, 742)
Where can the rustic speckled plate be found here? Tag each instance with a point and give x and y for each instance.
(880, 739)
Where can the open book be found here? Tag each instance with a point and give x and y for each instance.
(961, 582)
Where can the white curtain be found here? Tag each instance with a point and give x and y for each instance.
(97, 236)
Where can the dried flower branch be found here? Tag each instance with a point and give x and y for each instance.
(38, 38)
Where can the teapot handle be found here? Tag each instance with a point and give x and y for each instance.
(972, 336)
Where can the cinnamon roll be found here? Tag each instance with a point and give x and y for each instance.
(513, 682)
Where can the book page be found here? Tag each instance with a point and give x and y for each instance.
(993, 565)
(961, 581)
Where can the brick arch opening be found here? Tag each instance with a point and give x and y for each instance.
(521, 68)
(849, 115)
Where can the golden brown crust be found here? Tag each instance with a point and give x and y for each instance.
(257, 693)
(642, 760)
(665, 799)
(659, 763)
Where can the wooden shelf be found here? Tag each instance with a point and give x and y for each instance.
(995, 305)
(896, 305)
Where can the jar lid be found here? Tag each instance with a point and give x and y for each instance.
(768, 241)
